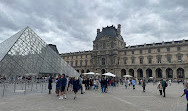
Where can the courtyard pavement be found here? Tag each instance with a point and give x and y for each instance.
(117, 99)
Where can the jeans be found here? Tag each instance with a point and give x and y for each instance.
(164, 91)
(95, 87)
(126, 86)
(103, 89)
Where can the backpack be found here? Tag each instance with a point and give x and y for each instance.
(166, 85)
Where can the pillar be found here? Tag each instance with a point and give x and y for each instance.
(144, 73)
(135, 73)
(154, 73)
(186, 72)
(174, 73)
(163, 73)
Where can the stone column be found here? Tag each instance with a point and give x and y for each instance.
(174, 73)
(163, 73)
(144, 73)
(135, 72)
(186, 72)
(153, 73)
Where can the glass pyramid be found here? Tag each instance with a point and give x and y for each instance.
(26, 53)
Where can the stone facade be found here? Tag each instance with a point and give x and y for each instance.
(110, 54)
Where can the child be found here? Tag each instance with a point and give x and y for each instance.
(186, 93)
(160, 87)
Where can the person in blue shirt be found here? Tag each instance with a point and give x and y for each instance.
(133, 83)
(186, 93)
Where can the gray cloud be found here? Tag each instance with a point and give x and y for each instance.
(71, 25)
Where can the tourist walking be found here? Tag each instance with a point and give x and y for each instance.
(63, 82)
(170, 82)
(80, 82)
(144, 85)
(160, 87)
(57, 86)
(186, 93)
(95, 84)
(103, 85)
(133, 83)
(50, 84)
(126, 83)
(164, 85)
(76, 86)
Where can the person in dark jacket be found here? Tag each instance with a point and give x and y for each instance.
(50, 84)
(87, 84)
(76, 86)
(144, 85)
(63, 82)
(104, 85)
(164, 85)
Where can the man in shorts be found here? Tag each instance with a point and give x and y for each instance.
(63, 82)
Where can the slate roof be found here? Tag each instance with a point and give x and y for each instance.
(109, 31)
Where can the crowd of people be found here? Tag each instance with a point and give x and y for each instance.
(82, 83)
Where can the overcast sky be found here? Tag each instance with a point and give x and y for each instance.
(72, 25)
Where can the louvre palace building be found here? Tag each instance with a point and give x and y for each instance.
(110, 53)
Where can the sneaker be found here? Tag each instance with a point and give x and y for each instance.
(61, 97)
(65, 96)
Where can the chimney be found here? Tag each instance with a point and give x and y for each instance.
(98, 30)
(119, 29)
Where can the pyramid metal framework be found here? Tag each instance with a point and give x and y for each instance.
(26, 53)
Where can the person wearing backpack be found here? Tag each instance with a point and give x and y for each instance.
(164, 85)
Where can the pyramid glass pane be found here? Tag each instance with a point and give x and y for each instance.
(26, 53)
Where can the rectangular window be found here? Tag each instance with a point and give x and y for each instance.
(71, 63)
(150, 60)
(111, 59)
(168, 49)
(103, 61)
(132, 60)
(76, 63)
(140, 51)
(141, 60)
(179, 58)
(86, 63)
(149, 50)
(86, 56)
(80, 62)
(178, 48)
(125, 60)
(159, 60)
(169, 59)
(132, 52)
(158, 50)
